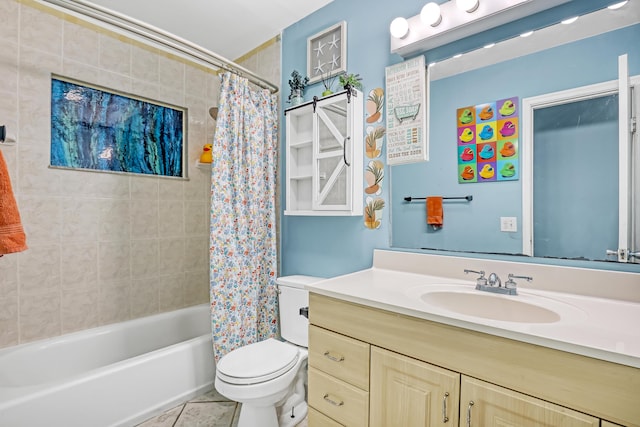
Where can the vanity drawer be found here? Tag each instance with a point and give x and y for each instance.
(318, 419)
(343, 357)
(338, 400)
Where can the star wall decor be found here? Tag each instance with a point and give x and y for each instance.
(327, 52)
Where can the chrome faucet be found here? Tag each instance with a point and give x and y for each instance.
(494, 280)
(494, 284)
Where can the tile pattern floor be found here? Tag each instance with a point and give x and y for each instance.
(208, 410)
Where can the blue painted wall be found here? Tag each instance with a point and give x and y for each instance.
(329, 246)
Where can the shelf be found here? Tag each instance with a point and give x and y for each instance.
(203, 165)
(301, 177)
(301, 144)
(320, 213)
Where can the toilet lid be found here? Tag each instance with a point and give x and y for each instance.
(258, 362)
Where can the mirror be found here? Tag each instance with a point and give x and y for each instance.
(584, 188)
(548, 61)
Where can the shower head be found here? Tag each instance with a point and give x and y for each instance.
(213, 112)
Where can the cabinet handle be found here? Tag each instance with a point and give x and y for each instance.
(333, 402)
(328, 355)
(469, 413)
(444, 408)
(344, 151)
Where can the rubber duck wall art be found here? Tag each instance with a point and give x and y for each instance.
(508, 149)
(508, 129)
(466, 116)
(466, 135)
(468, 173)
(487, 172)
(508, 108)
(486, 152)
(467, 155)
(486, 113)
(508, 170)
(486, 133)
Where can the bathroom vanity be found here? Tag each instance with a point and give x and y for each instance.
(384, 352)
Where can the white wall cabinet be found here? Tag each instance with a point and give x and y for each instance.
(324, 143)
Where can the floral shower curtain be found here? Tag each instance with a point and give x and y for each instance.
(243, 241)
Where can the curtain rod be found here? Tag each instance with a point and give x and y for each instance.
(148, 32)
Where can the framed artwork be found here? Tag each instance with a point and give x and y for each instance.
(407, 113)
(487, 141)
(98, 129)
(327, 52)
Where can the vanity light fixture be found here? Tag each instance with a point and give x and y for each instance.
(569, 20)
(449, 21)
(430, 14)
(617, 5)
(399, 28)
(468, 6)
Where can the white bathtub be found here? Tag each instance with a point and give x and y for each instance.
(115, 375)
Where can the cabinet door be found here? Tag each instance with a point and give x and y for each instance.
(485, 405)
(332, 155)
(410, 393)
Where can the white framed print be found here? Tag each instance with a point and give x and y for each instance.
(407, 111)
(327, 52)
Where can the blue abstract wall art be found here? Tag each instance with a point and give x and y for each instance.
(96, 129)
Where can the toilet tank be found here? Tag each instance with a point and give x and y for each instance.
(292, 296)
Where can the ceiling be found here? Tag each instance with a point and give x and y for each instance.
(228, 28)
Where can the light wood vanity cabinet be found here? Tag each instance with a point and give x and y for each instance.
(485, 404)
(338, 378)
(408, 392)
(423, 372)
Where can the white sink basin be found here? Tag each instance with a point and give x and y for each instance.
(522, 308)
(490, 306)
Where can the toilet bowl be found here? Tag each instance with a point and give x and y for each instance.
(269, 377)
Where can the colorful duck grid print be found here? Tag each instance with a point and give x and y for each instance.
(488, 141)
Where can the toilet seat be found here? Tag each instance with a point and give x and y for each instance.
(258, 362)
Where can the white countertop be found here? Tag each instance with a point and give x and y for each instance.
(601, 328)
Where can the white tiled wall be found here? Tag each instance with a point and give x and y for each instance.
(102, 247)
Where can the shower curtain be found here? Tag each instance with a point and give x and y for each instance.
(243, 257)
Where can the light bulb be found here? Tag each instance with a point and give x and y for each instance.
(617, 5)
(468, 5)
(570, 20)
(527, 34)
(399, 28)
(430, 14)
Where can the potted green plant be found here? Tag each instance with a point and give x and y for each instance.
(327, 82)
(349, 81)
(297, 83)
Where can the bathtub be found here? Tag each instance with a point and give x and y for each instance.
(114, 375)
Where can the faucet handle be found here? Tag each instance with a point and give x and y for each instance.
(481, 281)
(511, 284)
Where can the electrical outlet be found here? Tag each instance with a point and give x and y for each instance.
(508, 224)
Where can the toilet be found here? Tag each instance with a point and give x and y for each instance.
(269, 378)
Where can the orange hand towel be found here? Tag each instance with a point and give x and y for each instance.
(434, 211)
(12, 237)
